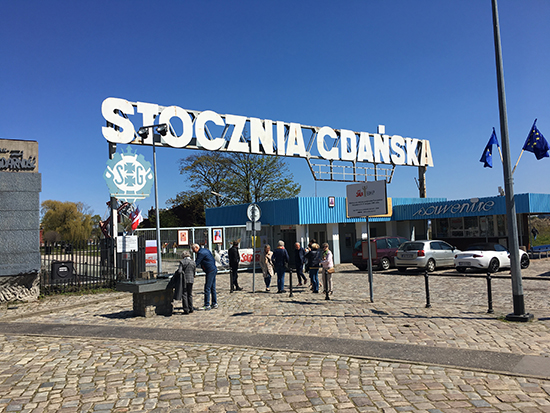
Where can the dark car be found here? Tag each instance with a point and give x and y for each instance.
(383, 251)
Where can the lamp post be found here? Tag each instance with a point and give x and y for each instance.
(143, 132)
(519, 313)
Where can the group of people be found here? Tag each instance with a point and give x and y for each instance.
(313, 257)
(272, 262)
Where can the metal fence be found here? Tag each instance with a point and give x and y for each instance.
(71, 267)
(67, 267)
(172, 244)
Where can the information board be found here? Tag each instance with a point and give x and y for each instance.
(366, 199)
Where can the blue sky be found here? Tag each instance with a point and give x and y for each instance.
(425, 69)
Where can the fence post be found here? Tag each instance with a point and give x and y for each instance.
(426, 283)
(489, 294)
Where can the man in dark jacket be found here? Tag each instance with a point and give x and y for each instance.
(184, 278)
(234, 259)
(206, 261)
(299, 254)
(280, 262)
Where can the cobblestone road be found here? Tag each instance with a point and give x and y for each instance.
(72, 374)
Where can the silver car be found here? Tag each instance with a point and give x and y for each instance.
(429, 254)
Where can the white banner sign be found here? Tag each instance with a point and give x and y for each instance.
(366, 199)
(127, 243)
(265, 136)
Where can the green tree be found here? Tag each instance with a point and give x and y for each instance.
(68, 219)
(206, 172)
(237, 178)
(188, 208)
(256, 178)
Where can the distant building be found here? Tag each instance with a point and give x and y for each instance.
(459, 222)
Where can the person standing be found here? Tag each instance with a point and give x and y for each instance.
(234, 259)
(328, 268)
(267, 266)
(299, 254)
(206, 261)
(313, 258)
(280, 260)
(184, 278)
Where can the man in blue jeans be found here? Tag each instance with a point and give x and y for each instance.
(280, 262)
(206, 261)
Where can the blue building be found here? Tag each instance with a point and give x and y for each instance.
(459, 222)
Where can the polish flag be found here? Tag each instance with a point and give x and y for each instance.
(136, 218)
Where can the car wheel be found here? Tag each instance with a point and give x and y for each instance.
(430, 266)
(362, 267)
(494, 265)
(461, 270)
(524, 261)
(385, 264)
(402, 270)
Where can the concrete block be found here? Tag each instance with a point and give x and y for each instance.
(20, 182)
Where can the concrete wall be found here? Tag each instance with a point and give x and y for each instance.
(19, 234)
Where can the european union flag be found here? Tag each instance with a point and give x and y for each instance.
(487, 157)
(536, 143)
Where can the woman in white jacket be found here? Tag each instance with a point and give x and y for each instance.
(327, 263)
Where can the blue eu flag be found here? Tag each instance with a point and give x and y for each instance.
(536, 143)
(487, 157)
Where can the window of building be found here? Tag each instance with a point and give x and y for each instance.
(442, 227)
(501, 225)
(457, 228)
(471, 226)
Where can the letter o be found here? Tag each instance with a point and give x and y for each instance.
(174, 140)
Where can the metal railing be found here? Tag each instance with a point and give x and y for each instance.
(68, 267)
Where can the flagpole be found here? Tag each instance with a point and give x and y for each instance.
(501, 159)
(513, 243)
(515, 166)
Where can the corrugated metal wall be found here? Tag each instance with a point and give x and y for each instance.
(315, 210)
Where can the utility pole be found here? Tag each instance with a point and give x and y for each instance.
(511, 218)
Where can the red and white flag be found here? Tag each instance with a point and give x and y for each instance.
(136, 218)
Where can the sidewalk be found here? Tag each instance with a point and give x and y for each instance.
(271, 352)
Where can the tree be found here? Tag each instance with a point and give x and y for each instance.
(187, 210)
(238, 178)
(68, 219)
(207, 172)
(257, 178)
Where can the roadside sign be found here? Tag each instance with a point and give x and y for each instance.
(366, 199)
(253, 212)
(127, 243)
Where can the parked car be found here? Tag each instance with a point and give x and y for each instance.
(487, 256)
(430, 254)
(383, 251)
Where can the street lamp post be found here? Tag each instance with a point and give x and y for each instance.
(143, 132)
(513, 243)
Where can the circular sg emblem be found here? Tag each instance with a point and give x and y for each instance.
(129, 176)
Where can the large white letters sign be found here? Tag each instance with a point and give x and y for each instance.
(264, 136)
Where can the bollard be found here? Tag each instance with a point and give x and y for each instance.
(428, 305)
(290, 277)
(489, 294)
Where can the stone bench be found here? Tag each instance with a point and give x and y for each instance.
(150, 297)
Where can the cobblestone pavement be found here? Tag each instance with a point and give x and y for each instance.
(71, 374)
